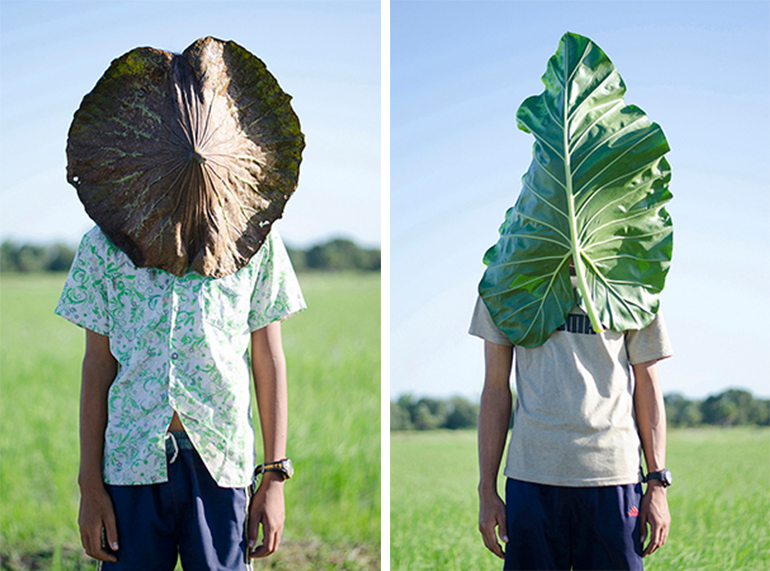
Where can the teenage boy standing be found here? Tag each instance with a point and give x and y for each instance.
(184, 162)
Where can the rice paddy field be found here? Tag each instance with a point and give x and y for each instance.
(720, 502)
(333, 356)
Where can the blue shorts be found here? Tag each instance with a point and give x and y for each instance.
(189, 516)
(558, 527)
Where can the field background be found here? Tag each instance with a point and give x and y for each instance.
(333, 356)
(720, 502)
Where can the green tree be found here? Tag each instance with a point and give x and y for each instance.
(9, 257)
(59, 258)
(338, 254)
(400, 419)
(759, 413)
(462, 413)
(690, 415)
(674, 403)
(30, 258)
(429, 414)
(719, 410)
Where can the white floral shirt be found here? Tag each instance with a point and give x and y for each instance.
(182, 344)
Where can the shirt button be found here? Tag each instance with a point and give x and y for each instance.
(174, 355)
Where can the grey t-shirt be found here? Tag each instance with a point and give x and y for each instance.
(573, 423)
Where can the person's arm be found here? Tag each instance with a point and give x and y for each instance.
(269, 367)
(96, 511)
(651, 423)
(494, 418)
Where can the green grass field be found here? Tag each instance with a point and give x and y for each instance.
(333, 356)
(720, 502)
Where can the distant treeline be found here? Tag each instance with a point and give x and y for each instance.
(334, 255)
(427, 413)
(733, 407)
(33, 258)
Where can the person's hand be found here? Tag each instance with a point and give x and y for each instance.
(97, 520)
(267, 510)
(491, 516)
(654, 511)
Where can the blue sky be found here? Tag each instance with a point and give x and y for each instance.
(325, 54)
(459, 71)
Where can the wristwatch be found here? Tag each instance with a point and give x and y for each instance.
(283, 467)
(664, 476)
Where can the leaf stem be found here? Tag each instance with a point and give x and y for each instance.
(577, 253)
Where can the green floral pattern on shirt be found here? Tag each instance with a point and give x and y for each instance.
(181, 343)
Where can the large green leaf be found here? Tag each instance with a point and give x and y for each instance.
(594, 193)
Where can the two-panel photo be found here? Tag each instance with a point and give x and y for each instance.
(405, 285)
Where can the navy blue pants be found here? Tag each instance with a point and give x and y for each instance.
(562, 528)
(188, 517)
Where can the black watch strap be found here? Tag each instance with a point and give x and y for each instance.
(664, 476)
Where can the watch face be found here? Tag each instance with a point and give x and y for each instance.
(283, 467)
(664, 476)
(288, 468)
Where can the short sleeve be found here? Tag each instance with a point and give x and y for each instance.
(483, 326)
(276, 294)
(83, 300)
(649, 344)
